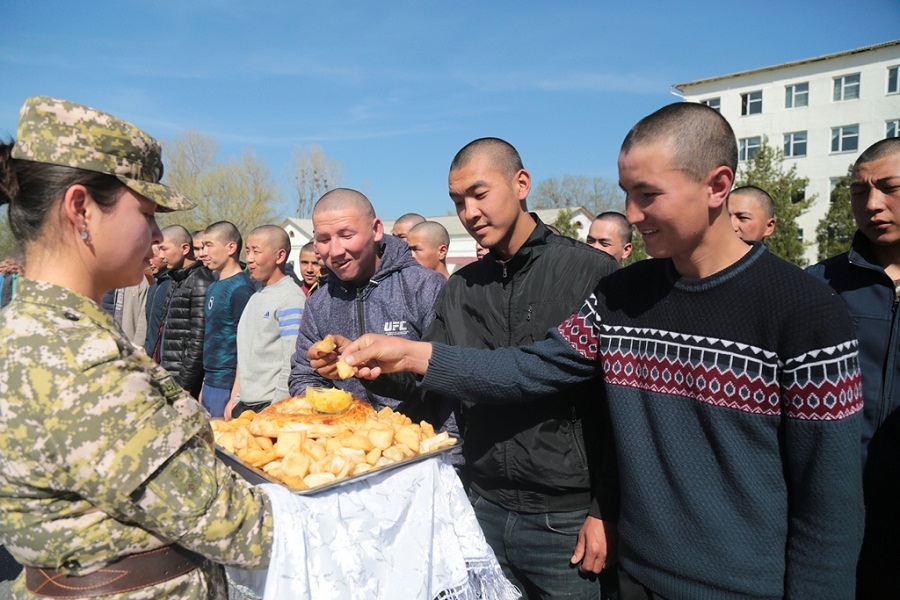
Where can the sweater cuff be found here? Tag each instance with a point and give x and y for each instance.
(443, 369)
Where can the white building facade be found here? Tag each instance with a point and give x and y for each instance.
(823, 112)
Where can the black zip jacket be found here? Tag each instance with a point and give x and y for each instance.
(533, 456)
(184, 326)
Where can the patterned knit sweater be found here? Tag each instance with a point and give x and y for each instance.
(735, 403)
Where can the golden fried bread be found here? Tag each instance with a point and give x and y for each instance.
(298, 414)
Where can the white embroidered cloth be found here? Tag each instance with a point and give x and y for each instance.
(409, 533)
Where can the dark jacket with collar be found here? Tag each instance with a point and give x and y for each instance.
(154, 308)
(181, 350)
(533, 456)
(869, 294)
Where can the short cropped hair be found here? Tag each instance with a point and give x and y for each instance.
(410, 218)
(225, 231)
(758, 194)
(701, 138)
(623, 226)
(275, 236)
(177, 234)
(434, 232)
(878, 150)
(343, 199)
(502, 154)
(308, 247)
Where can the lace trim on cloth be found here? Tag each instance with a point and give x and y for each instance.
(486, 580)
(410, 533)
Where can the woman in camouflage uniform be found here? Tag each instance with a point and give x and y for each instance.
(109, 486)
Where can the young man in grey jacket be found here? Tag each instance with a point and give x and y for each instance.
(374, 285)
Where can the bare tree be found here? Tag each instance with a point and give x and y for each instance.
(594, 193)
(313, 173)
(241, 190)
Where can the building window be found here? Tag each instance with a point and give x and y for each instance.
(893, 80)
(748, 147)
(795, 143)
(833, 182)
(846, 87)
(715, 103)
(796, 95)
(892, 129)
(751, 103)
(845, 139)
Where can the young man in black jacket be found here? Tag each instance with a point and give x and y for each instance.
(534, 470)
(179, 348)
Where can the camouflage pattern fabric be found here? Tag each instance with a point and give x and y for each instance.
(104, 455)
(63, 133)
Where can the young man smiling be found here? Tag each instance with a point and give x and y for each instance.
(373, 285)
(737, 441)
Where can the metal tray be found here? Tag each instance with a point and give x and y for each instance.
(257, 476)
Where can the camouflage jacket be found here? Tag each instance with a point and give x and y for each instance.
(104, 455)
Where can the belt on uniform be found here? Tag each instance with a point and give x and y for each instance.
(131, 572)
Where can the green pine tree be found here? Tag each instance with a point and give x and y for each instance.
(766, 171)
(835, 232)
(565, 224)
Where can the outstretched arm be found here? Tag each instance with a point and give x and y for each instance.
(497, 376)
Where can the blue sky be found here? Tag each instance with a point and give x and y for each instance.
(393, 89)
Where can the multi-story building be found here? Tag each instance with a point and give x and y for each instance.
(821, 111)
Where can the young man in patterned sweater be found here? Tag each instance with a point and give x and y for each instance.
(737, 439)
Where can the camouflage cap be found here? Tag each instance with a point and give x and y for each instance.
(63, 133)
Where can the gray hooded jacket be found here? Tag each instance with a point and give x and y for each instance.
(398, 300)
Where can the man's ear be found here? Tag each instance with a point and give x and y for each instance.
(770, 227)
(720, 181)
(378, 228)
(522, 184)
(280, 256)
(626, 250)
(442, 251)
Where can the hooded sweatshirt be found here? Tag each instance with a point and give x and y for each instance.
(398, 300)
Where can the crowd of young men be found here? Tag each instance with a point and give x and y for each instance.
(622, 432)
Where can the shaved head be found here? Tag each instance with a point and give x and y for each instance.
(759, 195)
(878, 150)
(501, 154)
(344, 199)
(700, 138)
(274, 237)
(432, 232)
(176, 234)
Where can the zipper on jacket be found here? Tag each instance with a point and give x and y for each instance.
(360, 315)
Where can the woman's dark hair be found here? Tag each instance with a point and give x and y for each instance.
(32, 189)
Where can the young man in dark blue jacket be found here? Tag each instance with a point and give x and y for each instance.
(867, 278)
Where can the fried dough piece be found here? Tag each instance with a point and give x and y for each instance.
(326, 345)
